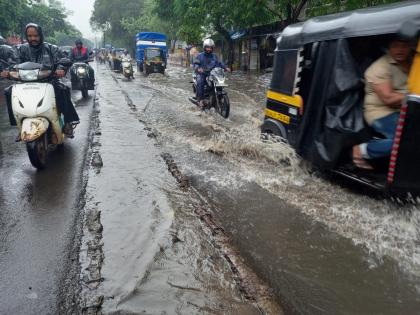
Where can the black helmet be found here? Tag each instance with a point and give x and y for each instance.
(78, 42)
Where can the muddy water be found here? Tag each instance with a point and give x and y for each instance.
(143, 250)
(323, 248)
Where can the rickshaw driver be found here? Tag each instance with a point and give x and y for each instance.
(386, 88)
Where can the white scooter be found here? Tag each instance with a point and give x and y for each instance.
(35, 110)
(127, 68)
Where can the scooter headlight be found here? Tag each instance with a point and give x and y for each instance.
(81, 71)
(28, 75)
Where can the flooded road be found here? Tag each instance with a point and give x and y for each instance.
(38, 218)
(178, 211)
(144, 251)
(322, 248)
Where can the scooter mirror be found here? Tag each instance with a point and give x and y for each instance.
(65, 62)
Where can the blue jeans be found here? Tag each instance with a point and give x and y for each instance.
(201, 83)
(386, 126)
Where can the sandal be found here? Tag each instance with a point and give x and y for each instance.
(359, 161)
(68, 129)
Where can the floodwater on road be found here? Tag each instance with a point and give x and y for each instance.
(143, 250)
(323, 249)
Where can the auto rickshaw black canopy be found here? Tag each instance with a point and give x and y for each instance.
(364, 22)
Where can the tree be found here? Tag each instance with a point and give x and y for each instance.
(109, 15)
(11, 11)
(292, 11)
(15, 14)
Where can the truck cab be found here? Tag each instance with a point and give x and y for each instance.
(151, 52)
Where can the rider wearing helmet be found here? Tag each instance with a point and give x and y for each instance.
(125, 54)
(203, 64)
(8, 57)
(81, 54)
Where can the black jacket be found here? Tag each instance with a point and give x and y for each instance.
(8, 55)
(45, 54)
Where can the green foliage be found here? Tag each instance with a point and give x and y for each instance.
(114, 17)
(15, 14)
(11, 12)
(192, 20)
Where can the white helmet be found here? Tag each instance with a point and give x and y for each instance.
(208, 42)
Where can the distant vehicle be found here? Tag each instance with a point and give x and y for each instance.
(127, 68)
(66, 50)
(115, 61)
(151, 52)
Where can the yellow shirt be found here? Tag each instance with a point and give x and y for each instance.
(385, 69)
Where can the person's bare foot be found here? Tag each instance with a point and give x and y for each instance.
(358, 159)
(68, 129)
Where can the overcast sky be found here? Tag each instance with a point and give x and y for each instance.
(82, 10)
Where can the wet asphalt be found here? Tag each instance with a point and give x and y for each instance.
(38, 217)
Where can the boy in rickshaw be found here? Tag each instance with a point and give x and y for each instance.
(386, 88)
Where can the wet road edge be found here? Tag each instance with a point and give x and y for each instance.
(69, 284)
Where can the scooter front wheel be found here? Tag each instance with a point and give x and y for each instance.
(38, 152)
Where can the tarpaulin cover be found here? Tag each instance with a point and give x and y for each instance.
(151, 36)
(385, 19)
(333, 119)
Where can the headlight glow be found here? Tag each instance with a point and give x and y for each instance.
(28, 75)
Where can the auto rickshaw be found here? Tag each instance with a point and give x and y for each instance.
(154, 60)
(315, 99)
(116, 59)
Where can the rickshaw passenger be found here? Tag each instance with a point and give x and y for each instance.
(386, 87)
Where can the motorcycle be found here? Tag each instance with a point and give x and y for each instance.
(214, 92)
(80, 78)
(127, 68)
(35, 110)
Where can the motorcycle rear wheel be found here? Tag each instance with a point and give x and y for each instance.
(38, 152)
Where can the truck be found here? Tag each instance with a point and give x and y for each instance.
(151, 52)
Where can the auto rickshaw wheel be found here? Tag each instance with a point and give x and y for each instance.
(274, 127)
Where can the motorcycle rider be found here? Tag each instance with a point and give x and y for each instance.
(81, 54)
(38, 51)
(126, 55)
(203, 64)
(8, 57)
